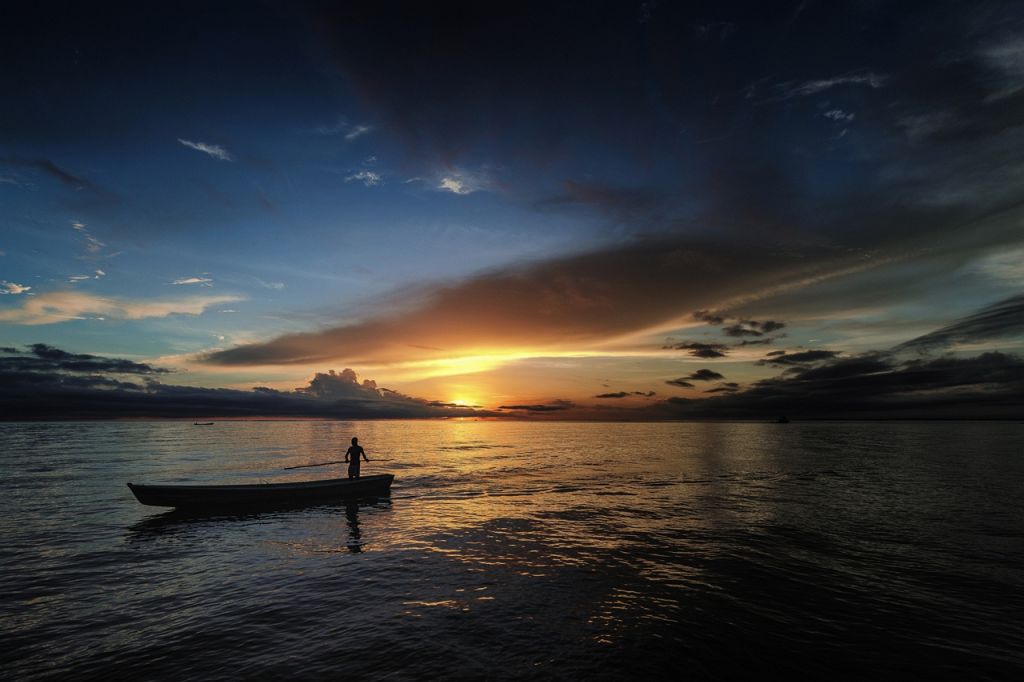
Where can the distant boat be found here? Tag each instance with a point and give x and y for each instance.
(782, 420)
(202, 423)
(261, 494)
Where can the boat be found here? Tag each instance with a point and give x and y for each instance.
(261, 494)
(202, 423)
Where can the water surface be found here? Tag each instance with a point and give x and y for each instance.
(520, 550)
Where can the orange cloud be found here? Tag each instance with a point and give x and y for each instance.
(567, 303)
(61, 306)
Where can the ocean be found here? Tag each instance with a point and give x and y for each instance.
(520, 550)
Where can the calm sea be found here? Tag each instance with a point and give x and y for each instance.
(520, 550)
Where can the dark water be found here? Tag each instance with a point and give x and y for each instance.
(581, 551)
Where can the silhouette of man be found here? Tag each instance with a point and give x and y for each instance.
(352, 457)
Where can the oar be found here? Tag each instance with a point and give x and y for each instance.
(323, 464)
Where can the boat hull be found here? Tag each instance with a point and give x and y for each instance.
(261, 494)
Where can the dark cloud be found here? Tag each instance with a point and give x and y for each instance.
(990, 385)
(44, 358)
(625, 394)
(681, 383)
(709, 317)
(51, 383)
(705, 375)
(701, 350)
(554, 406)
(1001, 320)
(798, 358)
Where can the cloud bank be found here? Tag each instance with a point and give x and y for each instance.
(44, 382)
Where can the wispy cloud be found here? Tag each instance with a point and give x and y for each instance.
(214, 150)
(61, 306)
(277, 286)
(12, 287)
(357, 131)
(97, 274)
(204, 281)
(872, 80)
(839, 115)
(92, 244)
(768, 92)
(341, 126)
(1001, 320)
(368, 178)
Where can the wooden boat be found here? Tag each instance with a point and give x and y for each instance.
(261, 494)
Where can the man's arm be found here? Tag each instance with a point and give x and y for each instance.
(365, 458)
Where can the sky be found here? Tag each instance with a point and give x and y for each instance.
(602, 210)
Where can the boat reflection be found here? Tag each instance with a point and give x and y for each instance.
(182, 522)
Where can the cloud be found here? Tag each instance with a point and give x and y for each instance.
(458, 184)
(61, 306)
(701, 350)
(357, 131)
(559, 303)
(42, 357)
(839, 115)
(214, 150)
(92, 244)
(1001, 320)
(874, 385)
(368, 178)
(813, 87)
(741, 330)
(705, 375)
(710, 317)
(798, 358)
(681, 383)
(626, 394)
(205, 281)
(742, 327)
(54, 171)
(342, 127)
(12, 288)
(554, 406)
(50, 383)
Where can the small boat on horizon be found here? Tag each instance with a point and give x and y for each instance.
(202, 423)
(261, 494)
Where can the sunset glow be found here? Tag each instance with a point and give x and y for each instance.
(589, 225)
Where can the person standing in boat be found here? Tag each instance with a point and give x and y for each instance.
(352, 457)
